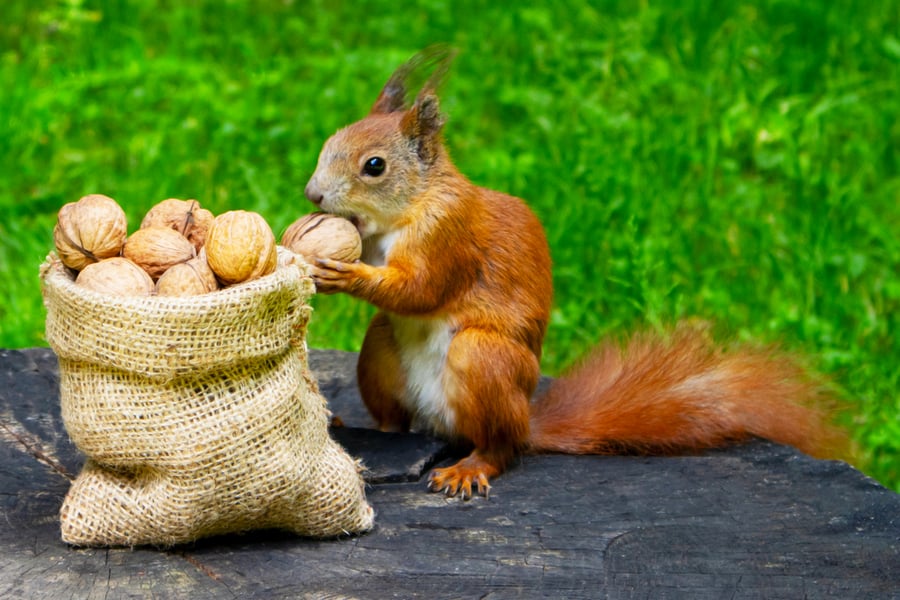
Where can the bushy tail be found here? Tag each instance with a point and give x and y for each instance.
(679, 393)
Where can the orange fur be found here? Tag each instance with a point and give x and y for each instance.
(461, 277)
(679, 394)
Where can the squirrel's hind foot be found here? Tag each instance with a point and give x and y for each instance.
(459, 479)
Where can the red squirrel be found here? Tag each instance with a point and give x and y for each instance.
(461, 278)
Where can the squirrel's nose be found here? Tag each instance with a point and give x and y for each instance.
(313, 194)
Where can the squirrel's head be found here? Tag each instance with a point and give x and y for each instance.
(371, 170)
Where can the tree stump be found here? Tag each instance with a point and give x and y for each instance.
(753, 521)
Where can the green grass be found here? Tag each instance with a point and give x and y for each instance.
(736, 164)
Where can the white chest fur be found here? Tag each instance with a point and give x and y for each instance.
(376, 248)
(424, 345)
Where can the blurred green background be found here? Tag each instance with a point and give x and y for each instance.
(733, 162)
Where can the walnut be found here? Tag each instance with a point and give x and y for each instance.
(240, 246)
(184, 216)
(322, 235)
(155, 249)
(89, 230)
(189, 278)
(116, 275)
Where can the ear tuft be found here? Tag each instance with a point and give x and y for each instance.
(423, 123)
(425, 70)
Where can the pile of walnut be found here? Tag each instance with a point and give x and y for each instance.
(181, 249)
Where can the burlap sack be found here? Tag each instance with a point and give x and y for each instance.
(198, 415)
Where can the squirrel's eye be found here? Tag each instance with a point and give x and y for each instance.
(374, 166)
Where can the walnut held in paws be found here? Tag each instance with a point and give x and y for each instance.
(116, 275)
(240, 246)
(321, 235)
(184, 216)
(89, 230)
(156, 249)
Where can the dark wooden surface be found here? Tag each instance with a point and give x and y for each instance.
(755, 521)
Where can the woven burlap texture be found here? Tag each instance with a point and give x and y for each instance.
(198, 415)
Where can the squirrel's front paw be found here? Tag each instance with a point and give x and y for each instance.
(333, 276)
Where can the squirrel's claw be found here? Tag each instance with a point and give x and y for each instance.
(459, 480)
(331, 276)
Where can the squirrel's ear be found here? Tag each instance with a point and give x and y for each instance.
(392, 97)
(423, 123)
(423, 71)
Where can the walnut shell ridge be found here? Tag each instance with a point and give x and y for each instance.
(323, 235)
(190, 278)
(116, 275)
(89, 230)
(240, 246)
(186, 217)
(156, 249)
